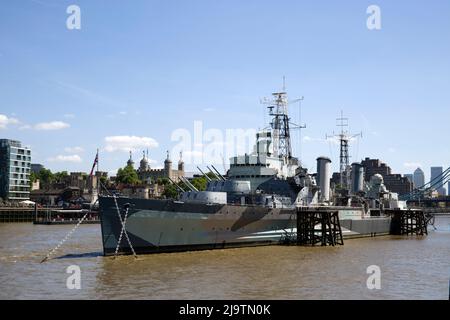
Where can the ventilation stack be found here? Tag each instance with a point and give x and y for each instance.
(357, 178)
(323, 178)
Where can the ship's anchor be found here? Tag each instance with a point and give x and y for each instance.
(123, 231)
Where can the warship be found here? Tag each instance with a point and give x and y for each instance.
(253, 204)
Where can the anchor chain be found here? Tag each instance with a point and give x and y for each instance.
(65, 239)
(123, 231)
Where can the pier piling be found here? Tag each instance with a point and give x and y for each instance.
(318, 227)
(409, 222)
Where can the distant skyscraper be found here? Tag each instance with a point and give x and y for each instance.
(438, 181)
(410, 177)
(15, 168)
(419, 178)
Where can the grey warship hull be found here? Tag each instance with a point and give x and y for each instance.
(155, 226)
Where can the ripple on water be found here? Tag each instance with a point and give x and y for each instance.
(412, 268)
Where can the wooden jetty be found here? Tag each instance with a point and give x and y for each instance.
(409, 222)
(318, 227)
(46, 216)
(322, 226)
(19, 214)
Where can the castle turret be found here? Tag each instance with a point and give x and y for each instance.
(181, 165)
(130, 161)
(144, 164)
(168, 166)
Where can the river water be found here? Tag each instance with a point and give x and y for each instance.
(411, 268)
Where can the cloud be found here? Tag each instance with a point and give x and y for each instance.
(43, 126)
(412, 165)
(209, 109)
(69, 116)
(5, 121)
(129, 143)
(25, 127)
(54, 125)
(74, 149)
(66, 158)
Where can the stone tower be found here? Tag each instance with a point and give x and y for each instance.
(168, 166)
(181, 165)
(130, 161)
(144, 164)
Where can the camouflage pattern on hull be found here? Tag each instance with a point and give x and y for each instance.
(168, 226)
(155, 226)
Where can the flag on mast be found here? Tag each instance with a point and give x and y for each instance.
(95, 163)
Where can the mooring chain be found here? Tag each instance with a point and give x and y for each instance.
(65, 239)
(121, 233)
(123, 223)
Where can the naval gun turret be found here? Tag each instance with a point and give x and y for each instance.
(380, 198)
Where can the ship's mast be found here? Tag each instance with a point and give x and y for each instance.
(344, 156)
(280, 124)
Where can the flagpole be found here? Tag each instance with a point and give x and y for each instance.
(98, 178)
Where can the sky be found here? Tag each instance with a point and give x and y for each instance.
(148, 74)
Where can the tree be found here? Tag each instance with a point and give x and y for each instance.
(60, 176)
(128, 176)
(46, 176)
(33, 178)
(103, 180)
(200, 183)
(163, 181)
(170, 191)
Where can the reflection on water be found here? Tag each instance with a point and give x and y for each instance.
(412, 268)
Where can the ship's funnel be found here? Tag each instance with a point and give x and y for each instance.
(324, 177)
(357, 178)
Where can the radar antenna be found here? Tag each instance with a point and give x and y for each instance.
(281, 124)
(344, 157)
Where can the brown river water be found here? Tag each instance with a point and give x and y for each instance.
(411, 268)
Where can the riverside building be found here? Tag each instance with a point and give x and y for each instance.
(15, 169)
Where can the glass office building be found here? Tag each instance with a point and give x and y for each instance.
(15, 169)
